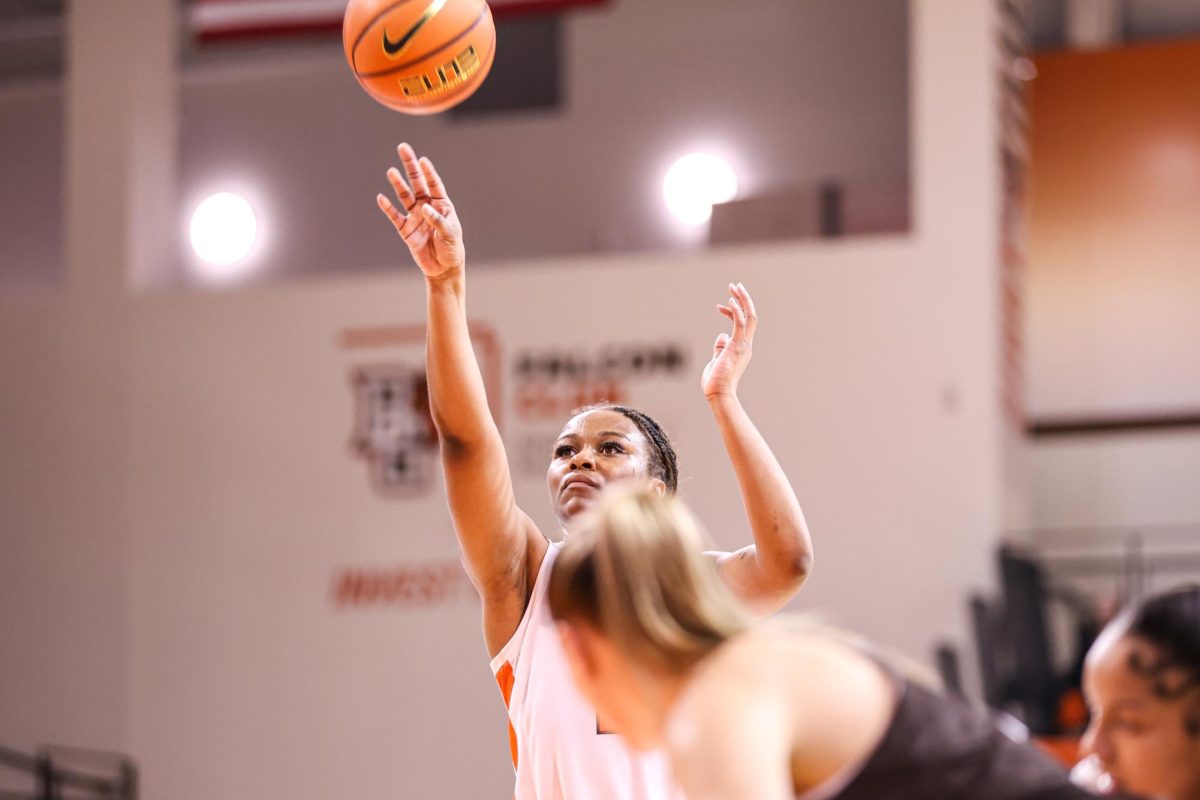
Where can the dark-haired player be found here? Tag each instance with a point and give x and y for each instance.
(559, 749)
(1142, 683)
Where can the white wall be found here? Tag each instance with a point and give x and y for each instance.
(1122, 480)
(234, 674)
(64, 632)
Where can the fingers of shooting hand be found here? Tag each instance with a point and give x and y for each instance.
(403, 193)
(391, 212)
(412, 169)
(747, 304)
(744, 293)
(437, 188)
(739, 314)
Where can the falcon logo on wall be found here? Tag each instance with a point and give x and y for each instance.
(393, 428)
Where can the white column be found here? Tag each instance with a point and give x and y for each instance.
(122, 138)
(956, 186)
(120, 228)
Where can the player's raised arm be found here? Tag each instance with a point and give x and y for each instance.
(767, 573)
(497, 539)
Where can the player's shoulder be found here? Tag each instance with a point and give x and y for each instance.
(753, 655)
(742, 673)
(729, 712)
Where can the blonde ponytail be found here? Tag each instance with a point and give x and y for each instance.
(635, 569)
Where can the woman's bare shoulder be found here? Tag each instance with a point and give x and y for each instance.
(747, 665)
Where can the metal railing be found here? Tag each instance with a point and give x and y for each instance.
(71, 773)
(1057, 588)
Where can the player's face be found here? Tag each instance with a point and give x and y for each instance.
(593, 450)
(1140, 738)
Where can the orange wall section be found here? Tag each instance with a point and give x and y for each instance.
(1114, 230)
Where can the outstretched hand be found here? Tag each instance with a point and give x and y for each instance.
(428, 223)
(731, 353)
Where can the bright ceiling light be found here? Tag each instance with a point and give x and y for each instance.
(223, 229)
(694, 183)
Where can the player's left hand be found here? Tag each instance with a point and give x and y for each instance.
(731, 353)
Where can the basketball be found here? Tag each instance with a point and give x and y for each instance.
(419, 56)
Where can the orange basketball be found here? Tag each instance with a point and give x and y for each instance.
(419, 56)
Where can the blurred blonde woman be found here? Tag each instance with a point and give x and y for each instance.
(669, 658)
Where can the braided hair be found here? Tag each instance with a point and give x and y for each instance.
(1171, 623)
(663, 462)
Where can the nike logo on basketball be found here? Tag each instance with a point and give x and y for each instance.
(395, 48)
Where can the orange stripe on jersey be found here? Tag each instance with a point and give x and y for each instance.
(506, 679)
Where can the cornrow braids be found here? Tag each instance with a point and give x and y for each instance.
(1171, 623)
(663, 463)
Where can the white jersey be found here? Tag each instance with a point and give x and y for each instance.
(558, 749)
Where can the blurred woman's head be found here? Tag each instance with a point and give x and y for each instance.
(605, 443)
(1142, 682)
(638, 604)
